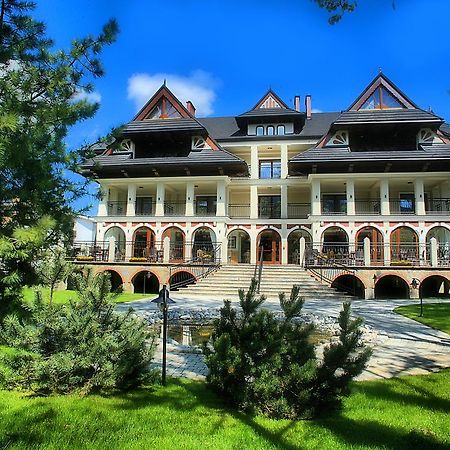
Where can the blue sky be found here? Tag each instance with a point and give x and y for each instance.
(223, 55)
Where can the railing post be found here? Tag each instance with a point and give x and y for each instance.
(434, 262)
(112, 249)
(301, 253)
(166, 250)
(366, 252)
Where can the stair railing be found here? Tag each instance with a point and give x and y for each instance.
(258, 269)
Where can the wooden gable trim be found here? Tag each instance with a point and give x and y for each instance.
(389, 86)
(165, 92)
(267, 95)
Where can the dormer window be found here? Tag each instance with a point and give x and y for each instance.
(382, 99)
(163, 110)
(270, 130)
(260, 130)
(281, 130)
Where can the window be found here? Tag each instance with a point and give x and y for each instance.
(382, 99)
(281, 130)
(270, 130)
(163, 110)
(334, 204)
(270, 169)
(259, 130)
(205, 205)
(144, 206)
(407, 203)
(269, 206)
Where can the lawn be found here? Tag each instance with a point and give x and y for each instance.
(404, 413)
(435, 315)
(63, 296)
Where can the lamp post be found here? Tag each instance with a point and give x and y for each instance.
(163, 301)
(415, 285)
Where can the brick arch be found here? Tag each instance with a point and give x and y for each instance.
(389, 286)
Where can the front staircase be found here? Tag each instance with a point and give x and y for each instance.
(225, 282)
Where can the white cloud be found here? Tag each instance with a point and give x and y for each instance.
(92, 97)
(315, 110)
(198, 87)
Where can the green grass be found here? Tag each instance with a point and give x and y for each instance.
(435, 315)
(63, 296)
(404, 413)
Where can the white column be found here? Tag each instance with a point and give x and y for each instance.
(284, 201)
(224, 251)
(302, 249)
(254, 169)
(112, 249)
(316, 208)
(253, 238)
(284, 251)
(221, 198)
(284, 160)
(419, 195)
(131, 200)
(433, 252)
(166, 250)
(366, 251)
(160, 192)
(350, 188)
(103, 203)
(190, 199)
(387, 250)
(253, 202)
(384, 196)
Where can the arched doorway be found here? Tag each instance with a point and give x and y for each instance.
(269, 243)
(376, 245)
(350, 284)
(335, 242)
(181, 279)
(238, 247)
(404, 246)
(435, 286)
(442, 236)
(116, 280)
(294, 245)
(144, 243)
(119, 236)
(176, 236)
(391, 286)
(204, 244)
(145, 282)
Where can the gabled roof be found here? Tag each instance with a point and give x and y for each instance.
(270, 100)
(384, 81)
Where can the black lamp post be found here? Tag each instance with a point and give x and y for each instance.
(163, 301)
(415, 285)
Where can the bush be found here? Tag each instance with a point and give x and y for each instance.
(268, 365)
(84, 346)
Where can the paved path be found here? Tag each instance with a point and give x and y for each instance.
(403, 346)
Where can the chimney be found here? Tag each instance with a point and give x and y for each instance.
(190, 107)
(297, 103)
(308, 106)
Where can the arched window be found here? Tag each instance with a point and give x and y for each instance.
(259, 130)
(270, 130)
(281, 130)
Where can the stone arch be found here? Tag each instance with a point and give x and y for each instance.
(391, 286)
(404, 245)
(177, 241)
(269, 242)
(145, 282)
(435, 286)
(119, 236)
(144, 243)
(204, 243)
(239, 243)
(335, 240)
(293, 243)
(116, 280)
(350, 284)
(180, 279)
(376, 243)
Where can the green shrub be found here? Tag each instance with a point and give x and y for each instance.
(265, 364)
(82, 346)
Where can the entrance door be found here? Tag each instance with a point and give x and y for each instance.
(269, 244)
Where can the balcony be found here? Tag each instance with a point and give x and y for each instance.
(239, 211)
(205, 208)
(174, 209)
(269, 211)
(438, 206)
(145, 207)
(117, 208)
(298, 210)
(403, 206)
(372, 207)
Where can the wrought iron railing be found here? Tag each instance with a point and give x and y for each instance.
(438, 206)
(402, 206)
(372, 207)
(239, 211)
(117, 208)
(145, 208)
(298, 210)
(174, 208)
(269, 212)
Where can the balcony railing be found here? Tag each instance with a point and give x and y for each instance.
(405, 206)
(145, 208)
(438, 206)
(371, 207)
(117, 208)
(203, 210)
(298, 210)
(174, 208)
(269, 212)
(239, 211)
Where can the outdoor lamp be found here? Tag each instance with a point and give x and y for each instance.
(415, 285)
(163, 301)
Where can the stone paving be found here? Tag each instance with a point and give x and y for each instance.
(402, 346)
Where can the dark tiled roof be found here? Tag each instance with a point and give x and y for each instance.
(445, 128)
(221, 127)
(319, 124)
(386, 116)
(167, 125)
(334, 154)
